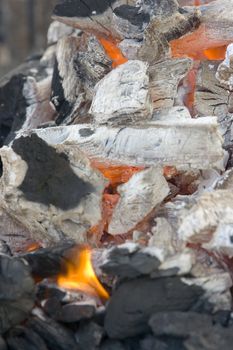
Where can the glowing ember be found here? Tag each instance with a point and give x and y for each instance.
(81, 275)
(216, 53)
(116, 174)
(198, 46)
(33, 247)
(113, 52)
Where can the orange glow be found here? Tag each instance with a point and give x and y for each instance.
(33, 246)
(216, 53)
(81, 275)
(116, 174)
(169, 171)
(113, 52)
(199, 46)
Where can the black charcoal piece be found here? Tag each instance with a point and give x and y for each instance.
(55, 335)
(222, 317)
(52, 307)
(22, 338)
(122, 263)
(12, 106)
(75, 312)
(3, 345)
(215, 339)
(179, 324)
(133, 14)
(49, 262)
(151, 343)
(4, 248)
(17, 292)
(62, 106)
(135, 301)
(110, 344)
(49, 178)
(82, 8)
(89, 335)
(45, 291)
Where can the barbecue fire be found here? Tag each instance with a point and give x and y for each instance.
(81, 275)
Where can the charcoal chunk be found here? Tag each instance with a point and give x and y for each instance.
(75, 312)
(24, 339)
(135, 301)
(52, 307)
(110, 344)
(125, 264)
(179, 324)
(4, 248)
(16, 292)
(151, 343)
(214, 339)
(3, 345)
(55, 335)
(89, 336)
(82, 8)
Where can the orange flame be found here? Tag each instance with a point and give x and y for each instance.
(81, 276)
(113, 52)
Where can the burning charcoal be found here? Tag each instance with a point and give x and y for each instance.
(122, 96)
(225, 69)
(45, 291)
(215, 98)
(80, 63)
(24, 94)
(24, 339)
(55, 335)
(163, 236)
(75, 312)
(165, 77)
(58, 191)
(179, 324)
(16, 292)
(49, 262)
(58, 30)
(138, 197)
(165, 142)
(129, 261)
(128, 313)
(89, 336)
(87, 15)
(209, 222)
(130, 21)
